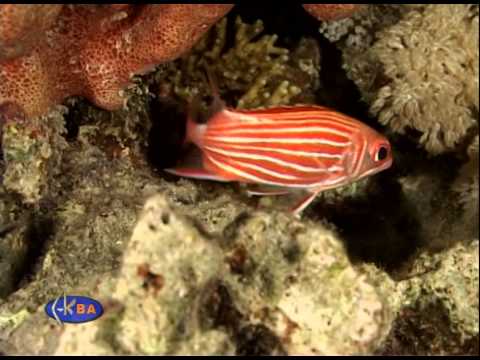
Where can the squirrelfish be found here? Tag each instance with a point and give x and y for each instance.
(313, 148)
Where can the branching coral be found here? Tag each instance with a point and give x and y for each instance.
(254, 69)
(93, 50)
(421, 73)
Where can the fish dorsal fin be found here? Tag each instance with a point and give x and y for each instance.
(219, 114)
(218, 104)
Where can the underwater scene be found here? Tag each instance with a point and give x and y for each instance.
(239, 179)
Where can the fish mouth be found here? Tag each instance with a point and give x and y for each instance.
(387, 164)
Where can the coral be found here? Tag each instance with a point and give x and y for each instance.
(417, 68)
(357, 33)
(328, 12)
(93, 50)
(254, 69)
(445, 64)
(22, 26)
(12, 321)
(81, 232)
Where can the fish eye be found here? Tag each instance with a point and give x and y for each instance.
(381, 153)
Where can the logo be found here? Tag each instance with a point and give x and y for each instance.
(74, 309)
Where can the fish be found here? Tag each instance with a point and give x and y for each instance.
(311, 148)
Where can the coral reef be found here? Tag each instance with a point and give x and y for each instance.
(386, 266)
(388, 54)
(93, 50)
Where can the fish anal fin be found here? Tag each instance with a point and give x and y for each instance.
(265, 190)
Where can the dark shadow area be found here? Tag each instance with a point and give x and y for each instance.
(74, 119)
(288, 20)
(40, 228)
(166, 136)
(337, 90)
(218, 310)
(407, 338)
(382, 228)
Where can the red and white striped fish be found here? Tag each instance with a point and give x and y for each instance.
(301, 147)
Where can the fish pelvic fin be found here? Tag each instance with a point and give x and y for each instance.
(301, 205)
(195, 173)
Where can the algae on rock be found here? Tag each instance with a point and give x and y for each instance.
(439, 312)
(32, 150)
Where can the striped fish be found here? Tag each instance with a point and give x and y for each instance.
(300, 147)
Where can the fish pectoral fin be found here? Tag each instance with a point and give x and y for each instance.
(303, 203)
(195, 173)
(265, 190)
(192, 166)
